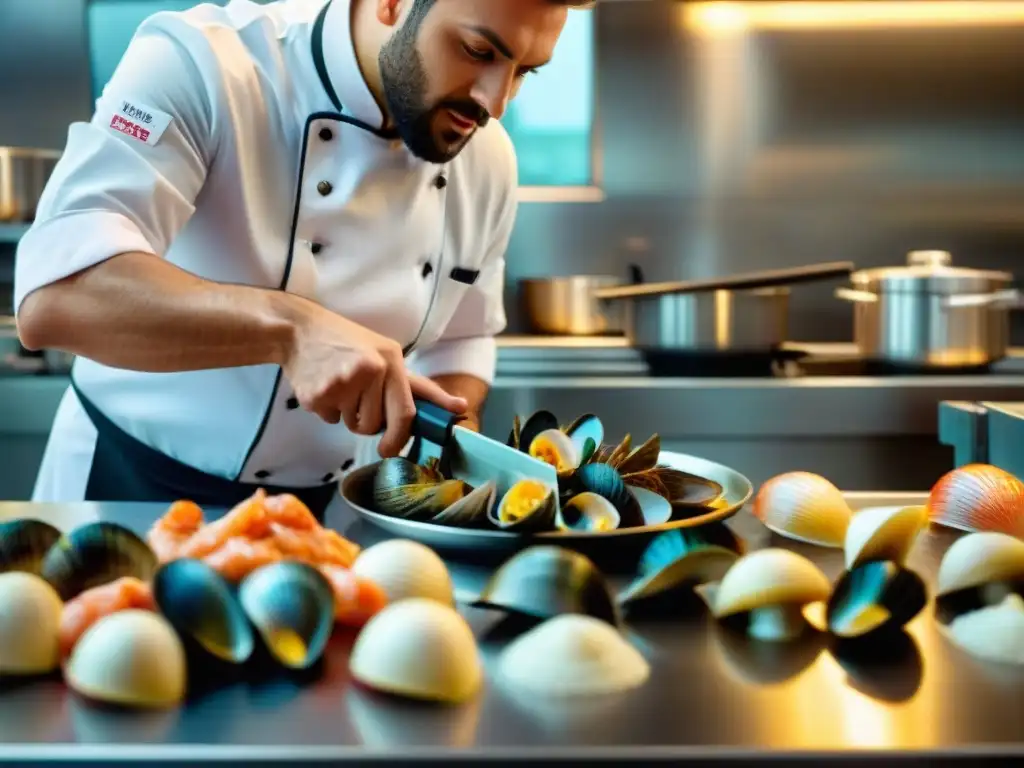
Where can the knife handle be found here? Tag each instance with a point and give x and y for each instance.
(433, 423)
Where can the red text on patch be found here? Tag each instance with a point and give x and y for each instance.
(129, 128)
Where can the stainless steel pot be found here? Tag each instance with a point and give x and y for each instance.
(745, 314)
(930, 313)
(23, 175)
(566, 306)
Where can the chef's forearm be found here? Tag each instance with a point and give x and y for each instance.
(140, 312)
(472, 389)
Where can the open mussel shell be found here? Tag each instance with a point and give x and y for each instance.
(883, 533)
(554, 447)
(586, 430)
(529, 506)
(979, 570)
(546, 581)
(679, 560)
(605, 480)
(539, 422)
(402, 488)
(587, 512)
(472, 510)
(875, 597)
(201, 606)
(24, 543)
(96, 554)
(291, 604)
(644, 458)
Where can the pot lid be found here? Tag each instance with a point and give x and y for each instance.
(930, 272)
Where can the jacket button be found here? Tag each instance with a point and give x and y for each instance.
(327, 478)
(262, 474)
(428, 269)
(326, 134)
(440, 182)
(293, 403)
(316, 248)
(324, 188)
(347, 465)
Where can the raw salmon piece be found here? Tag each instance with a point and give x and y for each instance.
(86, 609)
(247, 519)
(343, 552)
(171, 531)
(356, 600)
(289, 511)
(237, 557)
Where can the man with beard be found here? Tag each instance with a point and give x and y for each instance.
(272, 212)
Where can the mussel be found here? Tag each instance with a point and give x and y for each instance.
(404, 489)
(555, 448)
(539, 422)
(586, 433)
(529, 506)
(875, 597)
(24, 543)
(587, 512)
(546, 581)
(471, 510)
(604, 480)
(199, 603)
(291, 604)
(96, 554)
(641, 459)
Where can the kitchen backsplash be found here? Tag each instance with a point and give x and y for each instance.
(729, 138)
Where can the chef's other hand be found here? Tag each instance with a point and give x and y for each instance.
(342, 371)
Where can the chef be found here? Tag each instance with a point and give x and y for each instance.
(282, 223)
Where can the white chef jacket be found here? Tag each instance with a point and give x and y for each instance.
(242, 144)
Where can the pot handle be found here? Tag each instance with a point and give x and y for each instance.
(857, 297)
(1009, 299)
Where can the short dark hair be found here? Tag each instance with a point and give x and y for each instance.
(422, 6)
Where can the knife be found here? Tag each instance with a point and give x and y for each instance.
(474, 458)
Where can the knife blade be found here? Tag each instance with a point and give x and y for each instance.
(475, 458)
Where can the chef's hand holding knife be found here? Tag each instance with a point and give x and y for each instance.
(342, 371)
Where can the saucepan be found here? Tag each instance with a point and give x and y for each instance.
(23, 175)
(743, 314)
(566, 306)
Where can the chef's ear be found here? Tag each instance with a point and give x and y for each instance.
(389, 12)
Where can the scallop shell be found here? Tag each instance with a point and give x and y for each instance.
(804, 507)
(587, 512)
(994, 633)
(291, 605)
(874, 597)
(883, 533)
(529, 506)
(980, 559)
(24, 543)
(979, 497)
(30, 613)
(130, 658)
(547, 581)
(556, 448)
(201, 606)
(420, 649)
(96, 554)
(405, 569)
(572, 655)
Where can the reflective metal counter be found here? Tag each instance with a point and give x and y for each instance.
(712, 696)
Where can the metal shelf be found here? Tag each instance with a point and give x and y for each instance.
(12, 233)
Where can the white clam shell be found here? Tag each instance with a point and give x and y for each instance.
(595, 513)
(421, 649)
(405, 569)
(129, 658)
(572, 655)
(981, 558)
(30, 611)
(656, 508)
(995, 633)
(883, 533)
(770, 577)
(804, 507)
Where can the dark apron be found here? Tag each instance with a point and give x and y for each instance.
(125, 469)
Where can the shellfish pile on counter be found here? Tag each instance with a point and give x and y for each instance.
(806, 507)
(600, 488)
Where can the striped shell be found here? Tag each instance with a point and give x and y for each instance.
(804, 507)
(979, 497)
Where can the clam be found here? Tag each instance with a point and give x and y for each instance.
(883, 533)
(529, 506)
(586, 433)
(130, 658)
(979, 497)
(291, 604)
(876, 596)
(980, 570)
(404, 489)
(994, 633)
(554, 447)
(804, 507)
(587, 512)
(30, 614)
(572, 655)
(405, 569)
(420, 649)
(541, 421)
(201, 607)
(771, 587)
(680, 560)
(604, 480)
(545, 581)
(96, 554)
(471, 510)
(24, 543)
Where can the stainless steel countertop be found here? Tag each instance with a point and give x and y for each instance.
(711, 695)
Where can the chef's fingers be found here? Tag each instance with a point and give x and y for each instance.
(348, 387)
(426, 389)
(371, 407)
(399, 412)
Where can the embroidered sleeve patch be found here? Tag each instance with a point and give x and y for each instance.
(140, 122)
